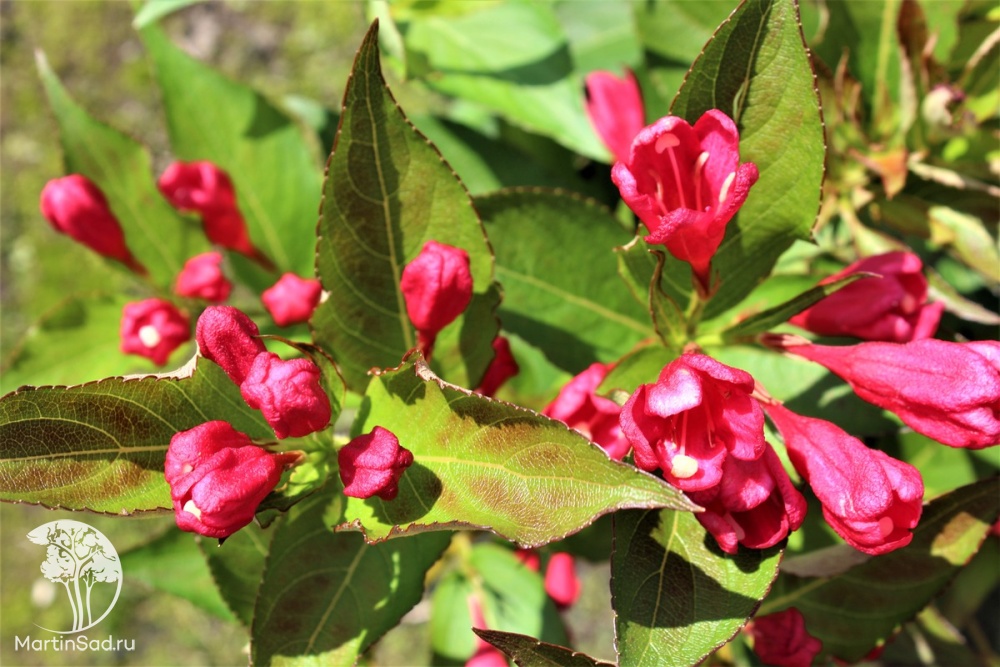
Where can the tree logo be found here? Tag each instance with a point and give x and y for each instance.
(85, 562)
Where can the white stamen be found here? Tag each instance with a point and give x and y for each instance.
(683, 466)
(886, 526)
(187, 468)
(666, 141)
(698, 166)
(659, 191)
(740, 533)
(191, 508)
(724, 192)
(149, 336)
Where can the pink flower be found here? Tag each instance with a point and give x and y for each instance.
(561, 582)
(218, 477)
(697, 413)
(781, 639)
(685, 184)
(201, 278)
(755, 504)
(502, 368)
(288, 393)
(292, 300)
(872, 500)
(228, 337)
(486, 654)
(948, 391)
(891, 308)
(529, 557)
(579, 407)
(437, 287)
(153, 328)
(371, 465)
(76, 207)
(615, 109)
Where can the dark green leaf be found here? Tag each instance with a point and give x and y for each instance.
(676, 595)
(237, 567)
(527, 651)
(487, 464)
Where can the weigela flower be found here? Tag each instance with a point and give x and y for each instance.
(685, 183)
(76, 207)
(781, 639)
(437, 287)
(502, 368)
(202, 278)
(872, 500)
(561, 582)
(891, 308)
(292, 300)
(371, 464)
(153, 328)
(697, 413)
(228, 337)
(288, 393)
(948, 391)
(614, 106)
(218, 477)
(579, 407)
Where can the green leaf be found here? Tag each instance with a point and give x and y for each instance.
(387, 192)
(451, 618)
(100, 446)
(527, 651)
(676, 595)
(756, 69)
(237, 567)
(154, 10)
(968, 238)
(121, 167)
(555, 259)
(276, 176)
(326, 597)
(481, 463)
(890, 589)
(641, 366)
(172, 563)
(642, 268)
(77, 341)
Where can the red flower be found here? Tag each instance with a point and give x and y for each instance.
(781, 639)
(292, 300)
(371, 465)
(486, 654)
(437, 287)
(615, 109)
(685, 183)
(202, 278)
(872, 500)
(561, 582)
(502, 368)
(698, 412)
(76, 207)
(891, 308)
(529, 557)
(218, 477)
(948, 391)
(153, 328)
(755, 504)
(288, 393)
(228, 337)
(596, 417)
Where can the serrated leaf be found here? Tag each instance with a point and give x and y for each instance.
(276, 176)
(100, 446)
(756, 69)
(121, 167)
(481, 463)
(676, 595)
(387, 192)
(890, 589)
(237, 567)
(555, 259)
(326, 597)
(527, 651)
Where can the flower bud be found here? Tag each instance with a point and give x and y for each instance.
(437, 287)
(153, 328)
(781, 640)
(614, 106)
(561, 582)
(202, 278)
(502, 368)
(579, 407)
(228, 337)
(371, 465)
(288, 393)
(218, 477)
(891, 308)
(292, 300)
(76, 207)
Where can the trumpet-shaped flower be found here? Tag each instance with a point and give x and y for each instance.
(614, 106)
(153, 328)
(288, 393)
(437, 287)
(371, 464)
(579, 407)
(228, 337)
(202, 278)
(292, 300)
